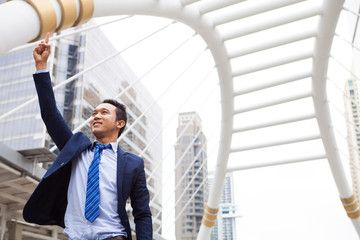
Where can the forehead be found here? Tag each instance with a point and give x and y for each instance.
(107, 106)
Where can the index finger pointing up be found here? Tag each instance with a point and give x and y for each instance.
(47, 37)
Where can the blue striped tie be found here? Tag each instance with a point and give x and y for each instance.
(93, 191)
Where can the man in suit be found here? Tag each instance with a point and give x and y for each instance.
(86, 188)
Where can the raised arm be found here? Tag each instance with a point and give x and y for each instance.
(55, 123)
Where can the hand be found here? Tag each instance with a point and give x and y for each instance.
(41, 54)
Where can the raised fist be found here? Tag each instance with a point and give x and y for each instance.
(41, 54)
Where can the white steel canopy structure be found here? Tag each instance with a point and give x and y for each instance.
(284, 44)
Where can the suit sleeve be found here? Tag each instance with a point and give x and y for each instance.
(54, 122)
(140, 203)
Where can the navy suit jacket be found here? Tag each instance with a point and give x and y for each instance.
(47, 204)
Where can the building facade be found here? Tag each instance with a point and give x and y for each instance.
(190, 176)
(352, 113)
(23, 130)
(225, 226)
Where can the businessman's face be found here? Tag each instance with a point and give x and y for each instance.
(103, 121)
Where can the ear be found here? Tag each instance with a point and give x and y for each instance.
(120, 124)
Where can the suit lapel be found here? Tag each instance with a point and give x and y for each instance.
(73, 148)
(121, 165)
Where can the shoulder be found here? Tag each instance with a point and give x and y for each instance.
(133, 159)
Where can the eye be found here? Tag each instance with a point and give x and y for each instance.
(93, 114)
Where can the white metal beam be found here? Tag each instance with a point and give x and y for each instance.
(306, 73)
(276, 143)
(307, 53)
(212, 5)
(271, 43)
(276, 163)
(251, 8)
(275, 123)
(273, 102)
(280, 20)
(187, 2)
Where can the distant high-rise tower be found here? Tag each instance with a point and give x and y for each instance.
(225, 228)
(191, 176)
(352, 113)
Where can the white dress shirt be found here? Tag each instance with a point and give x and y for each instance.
(108, 224)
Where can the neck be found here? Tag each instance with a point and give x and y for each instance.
(106, 140)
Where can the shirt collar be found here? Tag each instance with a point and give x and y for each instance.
(114, 146)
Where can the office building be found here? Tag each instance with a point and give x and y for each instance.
(190, 176)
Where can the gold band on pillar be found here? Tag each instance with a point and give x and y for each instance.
(68, 14)
(354, 215)
(207, 223)
(351, 207)
(86, 11)
(46, 13)
(211, 210)
(209, 217)
(349, 200)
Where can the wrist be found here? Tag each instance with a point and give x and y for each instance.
(40, 67)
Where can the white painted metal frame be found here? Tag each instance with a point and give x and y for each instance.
(196, 15)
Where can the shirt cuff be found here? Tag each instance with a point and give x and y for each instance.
(42, 71)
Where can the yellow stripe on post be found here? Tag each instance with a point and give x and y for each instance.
(208, 223)
(86, 11)
(211, 210)
(209, 218)
(349, 200)
(68, 14)
(354, 215)
(351, 207)
(46, 13)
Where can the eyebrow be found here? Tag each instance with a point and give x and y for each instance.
(101, 109)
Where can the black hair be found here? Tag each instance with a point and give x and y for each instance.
(120, 112)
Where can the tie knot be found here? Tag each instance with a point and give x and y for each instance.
(101, 147)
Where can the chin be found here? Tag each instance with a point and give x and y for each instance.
(97, 134)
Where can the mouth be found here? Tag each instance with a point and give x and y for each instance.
(96, 124)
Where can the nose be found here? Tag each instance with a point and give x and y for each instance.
(97, 116)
